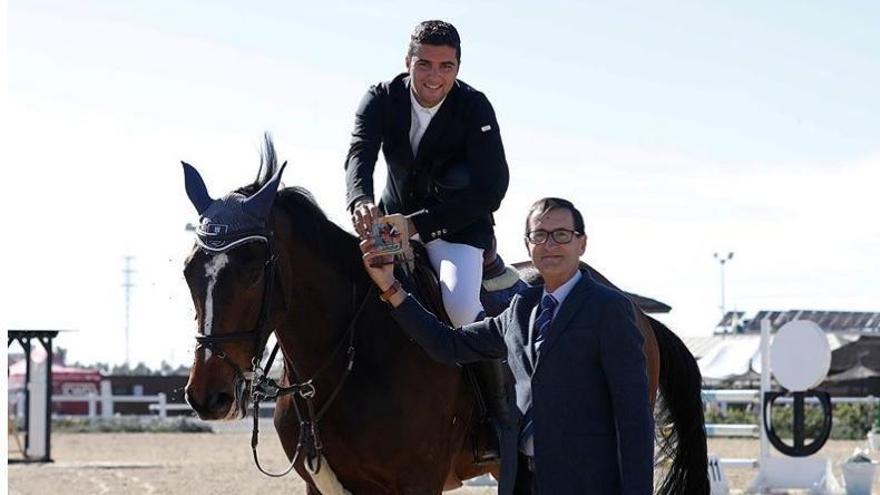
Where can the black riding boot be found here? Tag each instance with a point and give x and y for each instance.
(494, 407)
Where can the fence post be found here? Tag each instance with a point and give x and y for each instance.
(106, 399)
(163, 412)
(19, 405)
(93, 406)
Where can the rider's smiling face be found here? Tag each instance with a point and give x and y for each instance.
(433, 69)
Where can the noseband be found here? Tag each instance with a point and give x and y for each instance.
(257, 382)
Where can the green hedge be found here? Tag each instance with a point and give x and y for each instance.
(849, 421)
(129, 424)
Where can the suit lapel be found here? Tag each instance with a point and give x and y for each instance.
(403, 112)
(573, 302)
(528, 302)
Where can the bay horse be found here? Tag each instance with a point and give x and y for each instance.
(368, 407)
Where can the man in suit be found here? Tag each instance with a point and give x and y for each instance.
(446, 167)
(573, 348)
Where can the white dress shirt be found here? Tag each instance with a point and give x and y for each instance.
(421, 117)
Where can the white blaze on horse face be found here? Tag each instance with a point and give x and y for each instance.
(212, 271)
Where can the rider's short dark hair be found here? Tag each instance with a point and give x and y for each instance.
(440, 33)
(545, 205)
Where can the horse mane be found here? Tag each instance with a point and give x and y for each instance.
(309, 222)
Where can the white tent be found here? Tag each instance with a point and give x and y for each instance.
(731, 357)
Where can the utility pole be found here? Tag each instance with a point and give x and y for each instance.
(723, 259)
(127, 285)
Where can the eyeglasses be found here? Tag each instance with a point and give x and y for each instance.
(560, 236)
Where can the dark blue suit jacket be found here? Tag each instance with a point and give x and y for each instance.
(588, 388)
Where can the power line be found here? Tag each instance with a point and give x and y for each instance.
(127, 285)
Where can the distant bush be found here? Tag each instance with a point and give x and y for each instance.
(849, 421)
(129, 424)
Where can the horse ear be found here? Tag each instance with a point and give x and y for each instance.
(195, 188)
(260, 203)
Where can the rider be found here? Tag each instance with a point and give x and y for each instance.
(446, 167)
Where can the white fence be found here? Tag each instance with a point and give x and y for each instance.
(752, 396)
(158, 403)
(106, 399)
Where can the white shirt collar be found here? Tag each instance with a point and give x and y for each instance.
(563, 290)
(418, 106)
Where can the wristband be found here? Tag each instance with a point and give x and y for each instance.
(386, 296)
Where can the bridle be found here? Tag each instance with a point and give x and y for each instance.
(257, 382)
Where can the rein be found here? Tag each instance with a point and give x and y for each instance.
(261, 387)
(267, 388)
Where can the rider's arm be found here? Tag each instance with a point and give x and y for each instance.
(366, 139)
(487, 168)
(474, 342)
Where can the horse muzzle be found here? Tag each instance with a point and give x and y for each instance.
(212, 405)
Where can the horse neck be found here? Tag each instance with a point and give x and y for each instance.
(322, 298)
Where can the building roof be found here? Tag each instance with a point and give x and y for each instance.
(863, 351)
(830, 321)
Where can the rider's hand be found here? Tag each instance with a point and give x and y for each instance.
(363, 216)
(379, 266)
(410, 227)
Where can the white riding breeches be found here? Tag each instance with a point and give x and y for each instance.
(460, 270)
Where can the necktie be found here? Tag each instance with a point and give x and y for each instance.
(542, 324)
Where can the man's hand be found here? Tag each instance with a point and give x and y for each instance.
(410, 227)
(380, 267)
(363, 216)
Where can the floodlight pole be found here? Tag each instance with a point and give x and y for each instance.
(722, 260)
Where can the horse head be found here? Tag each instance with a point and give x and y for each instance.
(231, 273)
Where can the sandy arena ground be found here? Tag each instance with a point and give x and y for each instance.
(205, 463)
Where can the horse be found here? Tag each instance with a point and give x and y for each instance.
(369, 409)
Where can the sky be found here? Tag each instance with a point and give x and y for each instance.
(680, 129)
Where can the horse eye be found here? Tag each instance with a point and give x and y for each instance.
(249, 255)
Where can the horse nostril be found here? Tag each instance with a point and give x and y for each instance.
(191, 400)
(218, 401)
(212, 404)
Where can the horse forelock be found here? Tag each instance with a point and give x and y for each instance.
(268, 167)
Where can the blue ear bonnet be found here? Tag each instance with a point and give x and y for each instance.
(233, 219)
(225, 223)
